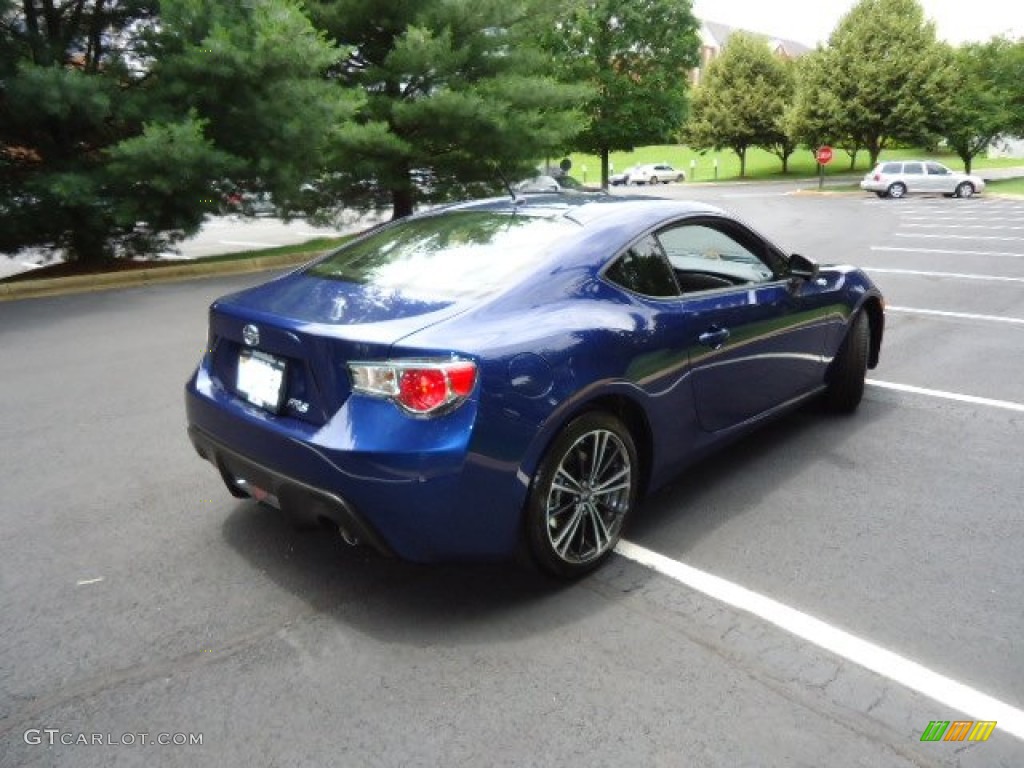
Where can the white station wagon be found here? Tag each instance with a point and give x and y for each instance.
(655, 173)
(899, 178)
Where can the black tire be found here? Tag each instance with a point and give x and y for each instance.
(964, 190)
(582, 496)
(849, 368)
(897, 190)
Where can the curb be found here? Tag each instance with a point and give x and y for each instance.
(103, 281)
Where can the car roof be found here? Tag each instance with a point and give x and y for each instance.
(605, 224)
(590, 209)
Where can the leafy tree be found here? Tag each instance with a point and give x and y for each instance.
(817, 116)
(115, 119)
(636, 56)
(1011, 74)
(457, 94)
(741, 101)
(890, 80)
(785, 141)
(981, 107)
(254, 71)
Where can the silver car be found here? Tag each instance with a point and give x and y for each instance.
(655, 173)
(622, 179)
(896, 178)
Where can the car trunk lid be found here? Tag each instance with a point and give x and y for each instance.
(285, 346)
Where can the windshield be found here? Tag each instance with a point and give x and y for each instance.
(456, 255)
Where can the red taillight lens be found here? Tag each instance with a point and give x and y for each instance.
(422, 390)
(419, 386)
(878, 177)
(462, 377)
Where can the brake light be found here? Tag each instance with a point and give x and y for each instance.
(419, 386)
(878, 177)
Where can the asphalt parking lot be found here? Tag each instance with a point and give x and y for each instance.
(822, 591)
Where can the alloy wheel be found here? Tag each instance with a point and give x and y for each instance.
(589, 497)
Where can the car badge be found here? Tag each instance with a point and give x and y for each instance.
(251, 335)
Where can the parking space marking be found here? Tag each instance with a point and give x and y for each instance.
(741, 195)
(987, 216)
(897, 249)
(959, 226)
(953, 275)
(1007, 405)
(958, 237)
(957, 315)
(846, 645)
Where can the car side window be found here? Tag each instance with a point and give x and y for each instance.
(706, 257)
(934, 169)
(892, 168)
(912, 168)
(643, 269)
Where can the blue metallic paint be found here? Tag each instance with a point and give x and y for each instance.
(548, 347)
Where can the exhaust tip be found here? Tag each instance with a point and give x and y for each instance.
(348, 537)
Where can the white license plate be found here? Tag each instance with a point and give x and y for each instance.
(261, 379)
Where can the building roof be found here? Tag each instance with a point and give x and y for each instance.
(720, 34)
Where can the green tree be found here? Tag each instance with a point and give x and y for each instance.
(116, 120)
(786, 139)
(818, 117)
(1011, 74)
(890, 80)
(981, 104)
(741, 101)
(457, 94)
(636, 56)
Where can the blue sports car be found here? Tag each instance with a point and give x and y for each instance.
(513, 375)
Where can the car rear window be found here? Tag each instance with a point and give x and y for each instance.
(892, 168)
(452, 256)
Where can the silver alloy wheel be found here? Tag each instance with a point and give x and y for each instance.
(589, 497)
(897, 190)
(965, 189)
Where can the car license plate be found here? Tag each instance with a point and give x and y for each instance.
(261, 379)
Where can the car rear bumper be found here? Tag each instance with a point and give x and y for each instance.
(246, 477)
(411, 488)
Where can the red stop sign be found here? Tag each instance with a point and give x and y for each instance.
(824, 155)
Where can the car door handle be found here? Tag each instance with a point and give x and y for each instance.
(714, 337)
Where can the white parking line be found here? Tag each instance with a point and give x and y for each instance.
(868, 655)
(1007, 405)
(959, 226)
(955, 275)
(897, 249)
(957, 315)
(958, 237)
(739, 196)
(996, 217)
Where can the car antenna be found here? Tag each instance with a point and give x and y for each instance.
(504, 180)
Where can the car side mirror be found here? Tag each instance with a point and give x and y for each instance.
(802, 267)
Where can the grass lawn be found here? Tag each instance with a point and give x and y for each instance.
(316, 245)
(1009, 186)
(760, 163)
(72, 268)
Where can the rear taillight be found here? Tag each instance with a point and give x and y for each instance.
(878, 177)
(419, 386)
